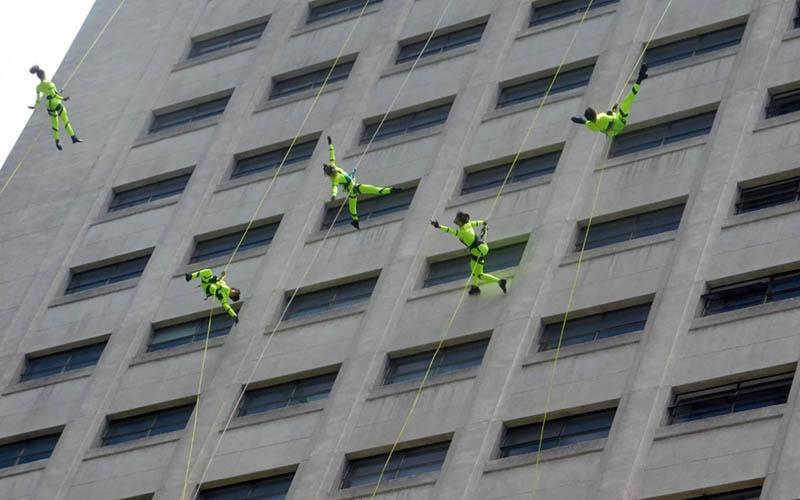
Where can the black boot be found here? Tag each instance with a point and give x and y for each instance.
(354, 223)
(503, 285)
(188, 277)
(474, 290)
(642, 73)
(393, 190)
(75, 139)
(58, 145)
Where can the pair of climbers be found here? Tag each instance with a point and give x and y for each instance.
(55, 105)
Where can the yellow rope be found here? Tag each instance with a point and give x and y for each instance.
(66, 83)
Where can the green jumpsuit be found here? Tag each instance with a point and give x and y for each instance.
(55, 107)
(613, 122)
(353, 189)
(477, 250)
(215, 286)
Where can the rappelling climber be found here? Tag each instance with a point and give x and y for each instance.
(612, 122)
(341, 178)
(478, 249)
(55, 105)
(216, 287)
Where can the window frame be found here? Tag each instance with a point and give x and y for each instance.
(757, 287)
(70, 289)
(547, 342)
(27, 374)
(109, 438)
(332, 304)
(193, 114)
(247, 487)
(295, 389)
(459, 264)
(773, 110)
(693, 45)
(400, 129)
(733, 495)
(534, 429)
(532, 21)
(257, 236)
(664, 134)
(639, 226)
(541, 84)
(155, 195)
(301, 151)
(24, 444)
(761, 202)
(340, 72)
(228, 39)
(519, 173)
(394, 469)
(441, 364)
(370, 207)
(356, 6)
(441, 43)
(221, 326)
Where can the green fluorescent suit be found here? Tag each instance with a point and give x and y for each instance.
(353, 189)
(477, 250)
(55, 107)
(215, 286)
(613, 122)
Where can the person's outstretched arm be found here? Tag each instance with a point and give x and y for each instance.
(332, 153)
(443, 228)
(38, 99)
(476, 223)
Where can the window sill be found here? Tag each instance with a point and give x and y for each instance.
(560, 23)
(324, 23)
(532, 104)
(791, 34)
(759, 215)
(585, 348)
(49, 380)
(147, 357)
(364, 224)
(300, 96)
(138, 209)
(719, 422)
(246, 180)
(16, 470)
(744, 313)
(282, 413)
(615, 248)
(573, 450)
(196, 61)
(413, 385)
(149, 138)
(379, 144)
(220, 261)
(114, 449)
(420, 293)
(776, 121)
(428, 60)
(462, 199)
(95, 292)
(692, 61)
(387, 486)
(626, 159)
(318, 318)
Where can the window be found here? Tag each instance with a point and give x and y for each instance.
(449, 359)
(557, 432)
(748, 494)
(220, 42)
(330, 299)
(446, 271)
(565, 8)
(796, 20)
(61, 362)
(440, 43)
(730, 398)
(125, 198)
(751, 293)
(146, 425)
(370, 208)
(189, 114)
(630, 228)
(296, 392)
(311, 80)
(270, 488)
(404, 463)
(337, 8)
(406, 123)
(257, 236)
(768, 195)
(662, 134)
(694, 46)
(594, 327)
(27, 450)
(781, 103)
(270, 160)
(167, 337)
(528, 168)
(106, 275)
(528, 91)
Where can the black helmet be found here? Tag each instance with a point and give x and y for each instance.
(590, 114)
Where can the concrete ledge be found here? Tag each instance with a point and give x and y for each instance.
(573, 450)
(693, 61)
(532, 104)
(627, 159)
(246, 180)
(462, 199)
(560, 23)
(776, 121)
(414, 385)
(149, 138)
(300, 96)
(318, 318)
(420, 293)
(744, 313)
(50, 380)
(324, 23)
(114, 449)
(622, 246)
(791, 34)
(365, 224)
(146, 357)
(279, 414)
(379, 144)
(759, 215)
(221, 260)
(539, 357)
(94, 292)
(719, 422)
(387, 486)
(219, 54)
(428, 60)
(23, 468)
(137, 209)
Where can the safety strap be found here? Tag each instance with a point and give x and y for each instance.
(475, 243)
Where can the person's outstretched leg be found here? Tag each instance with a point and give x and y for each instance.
(352, 206)
(370, 189)
(54, 126)
(67, 125)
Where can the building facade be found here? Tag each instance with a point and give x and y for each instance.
(662, 359)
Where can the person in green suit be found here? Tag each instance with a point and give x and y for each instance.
(341, 178)
(478, 249)
(216, 287)
(612, 122)
(55, 105)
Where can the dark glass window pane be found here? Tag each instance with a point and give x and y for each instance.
(527, 168)
(406, 123)
(796, 20)
(28, 450)
(301, 151)
(565, 8)
(440, 43)
(336, 8)
(595, 327)
(781, 103)
(106, 275)
(292, 393)
(557, 432)
(149, 192)
(768, 195)
(457, 268)
(731, 398)
(689, 47)
(146, 425)
(238, 37)
(449, 359)
(191, 331)
(659, 135)
(372, 207)
(404, 463)
(225, 245)
(629, 228)
(332, 298)
(748, 494)
(189, 114)
(60, 362)
(310, 80)
(270, 488)
(752, 292)
(528, 91)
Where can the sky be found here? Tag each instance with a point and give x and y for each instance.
(31, 33)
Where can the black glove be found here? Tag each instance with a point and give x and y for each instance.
(435, 223)
(65, 98)
(642, 74)
(188, 276)
(31, 107)
(236, 319)
(330, 141)
(578, 119)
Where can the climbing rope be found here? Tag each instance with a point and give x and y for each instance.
(66, 83)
